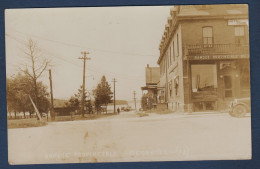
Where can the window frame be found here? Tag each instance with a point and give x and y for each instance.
(207, 45)
(239, 38)
(177, 36)
(215, 78)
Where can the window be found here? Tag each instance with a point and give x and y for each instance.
(177, 45)
(176, 85)
(170, 88)
(161, 68)
(239, 31)
(170, 56)
(207, 33)
(173, 54)
(168, 59)
(239, 35)
(204, 77)
(162, 96)
(164, 65)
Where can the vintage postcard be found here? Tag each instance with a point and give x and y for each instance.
(128, 84)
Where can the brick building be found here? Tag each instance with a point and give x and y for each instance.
(204, 57)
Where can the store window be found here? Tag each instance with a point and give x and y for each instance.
(204, 77)
(207, 33)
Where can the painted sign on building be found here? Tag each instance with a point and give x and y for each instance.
(216, 57)
(238, 22)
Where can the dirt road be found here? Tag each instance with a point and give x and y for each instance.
(128, 137)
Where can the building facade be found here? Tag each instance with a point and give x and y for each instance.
(204, 57)
(152, 77)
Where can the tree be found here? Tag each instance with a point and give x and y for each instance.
(102, 94)
(75, 100)
(18, 90)
(89, 106)
(34, 68)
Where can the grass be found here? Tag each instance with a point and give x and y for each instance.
(33, 122)
(24, 123)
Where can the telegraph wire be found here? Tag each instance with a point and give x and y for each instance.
(48, 53)
(80, 46)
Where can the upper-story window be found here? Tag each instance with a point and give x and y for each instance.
(239, 35)
(173, 52)
(170, 52)
(167, 60)
(164, 65)
(207, 35)
(177, 45)
(161, 68)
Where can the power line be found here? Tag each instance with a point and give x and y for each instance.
(71, 61)
(81, 46)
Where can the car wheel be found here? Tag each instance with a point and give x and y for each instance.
(239, 111)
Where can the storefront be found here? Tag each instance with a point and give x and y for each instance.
(217, 80)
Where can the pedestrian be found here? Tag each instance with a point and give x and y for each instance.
(118, 110)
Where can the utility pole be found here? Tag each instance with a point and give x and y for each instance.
(135, 99)
(114, 81)
(83, 86)
(52, 107)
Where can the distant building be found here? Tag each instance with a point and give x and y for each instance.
(152, 77)
(204, 57)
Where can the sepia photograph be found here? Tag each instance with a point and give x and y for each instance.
(128, 84)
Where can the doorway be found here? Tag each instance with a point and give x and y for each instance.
(228, 86)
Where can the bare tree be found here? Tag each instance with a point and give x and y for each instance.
(35, 65)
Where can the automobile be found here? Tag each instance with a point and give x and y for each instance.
(128, 108)
(240, 107)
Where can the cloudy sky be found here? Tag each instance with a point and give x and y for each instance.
(121, 41)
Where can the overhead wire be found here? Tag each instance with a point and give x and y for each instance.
(81, 46)
(93, 69)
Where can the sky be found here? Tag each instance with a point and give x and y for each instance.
(121, 41)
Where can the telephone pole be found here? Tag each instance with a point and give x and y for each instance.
(114, 81)
(135, 99)
(84, 58)
(52, 107)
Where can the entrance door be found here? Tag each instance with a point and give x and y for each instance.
(228, 87)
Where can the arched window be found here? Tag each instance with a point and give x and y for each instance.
(207, 34)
